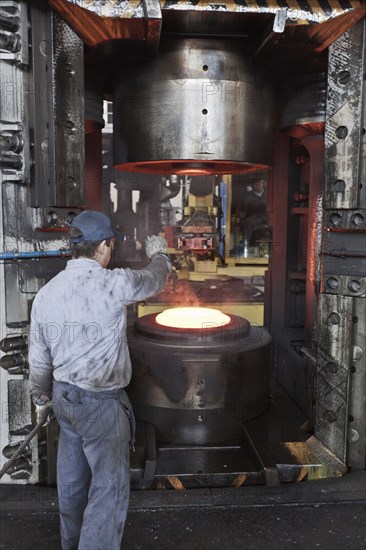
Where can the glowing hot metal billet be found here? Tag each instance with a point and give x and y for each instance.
(192, 318)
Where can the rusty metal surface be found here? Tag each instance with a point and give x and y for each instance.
(94, 29)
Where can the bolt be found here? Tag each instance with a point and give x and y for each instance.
(70, 217)
(344, 77)
(44, 145)
(332, 368)
(357, 220)
(353, 436)
(10, 42)
(340, 186)
(341, 132)
(14, 143)
(52, 218)
(334, 318)
(69, 69)
(332, 283)
(354, 286)
(357, 353)
(70, 183)
(335, 219)
(200, 418)
(70, 127)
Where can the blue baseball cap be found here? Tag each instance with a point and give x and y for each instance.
(95, 226)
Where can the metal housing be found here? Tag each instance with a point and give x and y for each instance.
(198, 386)
(200, 107)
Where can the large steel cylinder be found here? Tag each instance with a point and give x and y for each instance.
(303, 105)
(200, 108)
(198, 386)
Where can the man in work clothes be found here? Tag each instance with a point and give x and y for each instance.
(78, 345)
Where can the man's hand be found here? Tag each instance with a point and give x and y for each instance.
(43, 406)
(155, 245)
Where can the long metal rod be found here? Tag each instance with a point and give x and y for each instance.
(34, 254)
(26, 441)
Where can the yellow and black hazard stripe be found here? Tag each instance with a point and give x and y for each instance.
(302, 10)
(327, 7)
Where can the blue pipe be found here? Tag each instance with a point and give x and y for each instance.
(34, 254)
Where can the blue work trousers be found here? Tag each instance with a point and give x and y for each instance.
(93, 474)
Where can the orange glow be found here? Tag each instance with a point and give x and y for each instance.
(192, 317)
(190, 167)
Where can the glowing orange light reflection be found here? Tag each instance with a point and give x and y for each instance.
(192, 317)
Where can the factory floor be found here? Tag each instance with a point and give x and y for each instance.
(325, 515)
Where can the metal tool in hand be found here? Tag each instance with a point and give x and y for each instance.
(42, 419)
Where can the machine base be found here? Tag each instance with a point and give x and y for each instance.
(269, 452)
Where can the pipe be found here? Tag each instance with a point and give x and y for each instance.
(34, 254)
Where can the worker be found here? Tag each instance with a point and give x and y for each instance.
(79, 358)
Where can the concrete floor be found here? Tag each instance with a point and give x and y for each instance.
(286, 527)
(324, 515)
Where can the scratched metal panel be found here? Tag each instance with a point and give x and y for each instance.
(334, 356)
(41, 106)
(17, 91)
(343, 253)
(362, 195)
(357, 416)
(67, 123)
(343, 114)
(346, 285)
(19, 407)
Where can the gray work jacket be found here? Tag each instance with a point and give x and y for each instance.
(78, 324)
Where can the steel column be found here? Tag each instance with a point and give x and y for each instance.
(340, 419)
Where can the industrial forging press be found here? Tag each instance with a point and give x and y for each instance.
(236, 130)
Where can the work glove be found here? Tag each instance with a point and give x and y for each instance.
(155, 245)
(43, 406)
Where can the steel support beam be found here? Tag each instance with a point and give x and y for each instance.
(340, 420)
